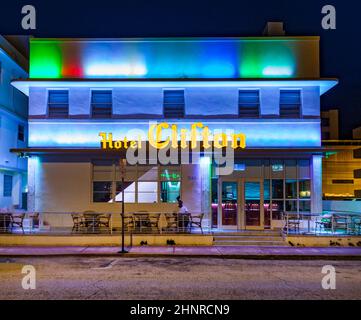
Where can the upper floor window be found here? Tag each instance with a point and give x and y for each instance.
(290, 103)
(8, 185)
(173, 103)
(58, 104)
(21, 132)
(101, 103)
(248, 104)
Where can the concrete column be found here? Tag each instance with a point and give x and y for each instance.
(270, 101)
(16, 190)
(79, 102)
(38, 101)
(316, 184)
(205, 171)
(32, 163)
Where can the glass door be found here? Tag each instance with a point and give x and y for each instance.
(253, 210)
(229, 204)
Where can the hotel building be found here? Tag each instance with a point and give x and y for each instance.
(267, 88)
(13, 127)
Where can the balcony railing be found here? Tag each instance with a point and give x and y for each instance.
(91, 222)
(327, 223)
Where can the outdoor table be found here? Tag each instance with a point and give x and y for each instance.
(92, 220)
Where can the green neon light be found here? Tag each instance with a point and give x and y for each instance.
(46, 60)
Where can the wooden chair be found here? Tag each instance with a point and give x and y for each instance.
(154, 221)
(104, 221)
(172, 221)
(78, 222)
(196, 221)
(17, 219)
(129, 221)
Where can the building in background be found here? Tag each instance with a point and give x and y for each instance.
(330, 124)
(265, 87)
(13, 127)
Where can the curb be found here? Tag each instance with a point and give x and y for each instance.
(198, 256)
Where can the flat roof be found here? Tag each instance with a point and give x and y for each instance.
(325, 84)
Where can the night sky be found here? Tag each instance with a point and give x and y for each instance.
(340, 48)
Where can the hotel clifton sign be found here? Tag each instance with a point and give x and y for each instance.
(164, 135)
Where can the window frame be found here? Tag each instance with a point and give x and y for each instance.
(300, 105)
(258, 103)
(92, 91)
(184, 103)
(50, 104)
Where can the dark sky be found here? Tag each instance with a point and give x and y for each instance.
(340, 48)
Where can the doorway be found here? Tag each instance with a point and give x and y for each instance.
(242, 205)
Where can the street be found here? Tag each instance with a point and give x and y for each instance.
(176, 278)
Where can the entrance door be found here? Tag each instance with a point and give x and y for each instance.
(229, 204)
(253, 205)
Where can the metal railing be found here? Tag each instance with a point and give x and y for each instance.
(327, 223)
(91, 222)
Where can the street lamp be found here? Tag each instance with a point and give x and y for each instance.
(122, 164)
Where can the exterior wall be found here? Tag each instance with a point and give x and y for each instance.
(260, 57)
(316, 184)
(13, 112)
(60, 187)
(329, 125)
(341, 166)
(199, 101)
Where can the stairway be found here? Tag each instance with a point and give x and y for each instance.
(249, 238)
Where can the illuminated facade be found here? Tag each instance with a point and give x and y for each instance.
(268, 88)
(13, 128)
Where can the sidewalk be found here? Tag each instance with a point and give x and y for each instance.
(226, 252)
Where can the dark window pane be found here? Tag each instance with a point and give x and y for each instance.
(101, 102)
(248, 103)
(173, 103)
(305, 189)
(277, 189)
(291, 189)
(21, 133)
(8, 185)
(170, 191)
(58, 104)
(290, 103)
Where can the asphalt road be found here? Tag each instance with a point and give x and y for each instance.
(177, 278)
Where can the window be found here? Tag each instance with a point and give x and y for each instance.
(58, 104)
(102, 191)
(21, 133)
(291, 189)
(290, 103)
(170, 182)
(1, 73)
(101, 103)
(8, 185)
(173, 103)
(140, 184)
(342, 181)
(277, 189)
(248, 103)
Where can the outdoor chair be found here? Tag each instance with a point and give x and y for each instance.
(35, 219)
(17, 220)
(154, 221)
(196, 221)
(129, 221)
(104, 221)
(292, 222)
(78, 222)
(357, 226)
(142, 221)
(172, 221)
(5, 223)
(342, 223)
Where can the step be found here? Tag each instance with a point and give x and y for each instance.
(247, 238)
(248, 233)
(249, 243)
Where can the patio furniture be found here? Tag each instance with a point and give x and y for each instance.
(142, 221)
(357, 225)
(292, 222)
(196, 221)
(17, 219)
(172, 221)
(154, 221)
(92, 221)
(129, 221)
(342, 223)
(183, 222)
(34, 216)
(78, 222)
(104, 221)
(5, 223)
